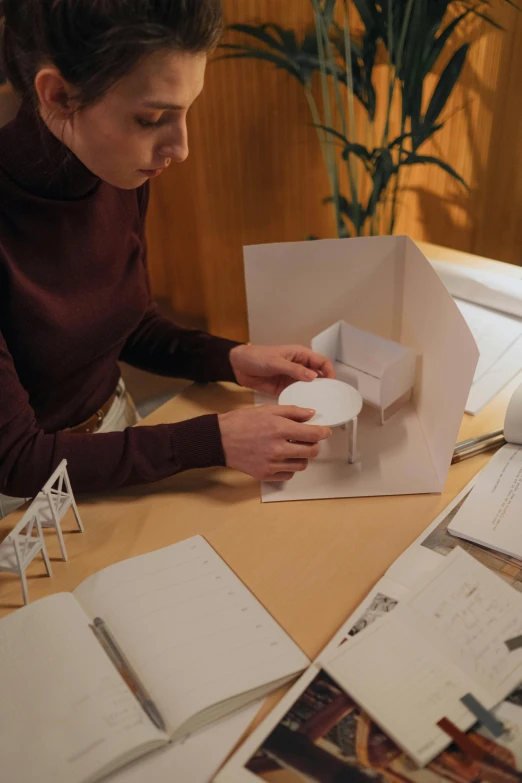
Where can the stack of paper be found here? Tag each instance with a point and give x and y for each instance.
(491, 514)
(408, 657)
(444, 641)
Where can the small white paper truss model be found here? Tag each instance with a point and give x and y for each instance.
(382, 371)
(384, 286)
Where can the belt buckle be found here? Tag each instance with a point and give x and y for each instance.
(100, 416)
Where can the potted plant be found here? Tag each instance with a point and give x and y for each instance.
(410, 37)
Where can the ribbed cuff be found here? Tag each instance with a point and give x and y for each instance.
(220, 368)
(196, 443)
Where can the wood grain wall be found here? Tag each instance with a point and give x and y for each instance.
(255, 173)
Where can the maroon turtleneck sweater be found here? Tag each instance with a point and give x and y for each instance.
(74, 298)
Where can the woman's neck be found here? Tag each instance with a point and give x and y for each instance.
(35, 158)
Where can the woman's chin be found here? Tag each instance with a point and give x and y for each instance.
(129, 181)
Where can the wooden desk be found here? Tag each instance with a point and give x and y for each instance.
(310, 563)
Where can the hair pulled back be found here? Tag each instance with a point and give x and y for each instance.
(94, 43)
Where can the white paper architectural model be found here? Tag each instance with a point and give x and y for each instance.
(26, 540)
(381, 370)
(383, 290)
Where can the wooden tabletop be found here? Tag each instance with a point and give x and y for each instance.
(310, 563)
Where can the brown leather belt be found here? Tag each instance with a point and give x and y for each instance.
(95, 421)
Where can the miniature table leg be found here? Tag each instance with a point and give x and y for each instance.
(353, 441)
(352, 456)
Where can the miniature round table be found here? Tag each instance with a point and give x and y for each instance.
(336, 404)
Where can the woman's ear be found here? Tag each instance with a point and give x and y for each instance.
(54, 94)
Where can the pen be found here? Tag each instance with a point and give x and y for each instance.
(120, 661)
(465, 444)
(491, 442)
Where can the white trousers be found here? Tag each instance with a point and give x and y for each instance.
(121, 414)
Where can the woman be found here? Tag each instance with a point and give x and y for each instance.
(106, 86)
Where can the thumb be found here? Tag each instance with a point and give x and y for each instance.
(293, 412)
(293, 370)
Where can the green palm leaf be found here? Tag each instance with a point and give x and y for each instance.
(260, 33)
(445, 85)
(415, 34)
(413, 160)
(288, 38)
(260, 54)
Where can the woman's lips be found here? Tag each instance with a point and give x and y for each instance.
(151, 172)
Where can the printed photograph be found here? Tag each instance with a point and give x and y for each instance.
(381, 605)
(326, 738)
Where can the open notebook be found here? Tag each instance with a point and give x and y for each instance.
(200, 642)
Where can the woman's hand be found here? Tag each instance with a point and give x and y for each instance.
(271, 442)
(270, 369)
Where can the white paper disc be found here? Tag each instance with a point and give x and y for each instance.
(336, 402)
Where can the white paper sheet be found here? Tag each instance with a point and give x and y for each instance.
(430, 547)
(196, 760)
(494, 333)
(493, 381)
(483, 287)
(491, 303)
(491, 515)
(385, 286)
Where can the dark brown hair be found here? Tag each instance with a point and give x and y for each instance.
(94, 43)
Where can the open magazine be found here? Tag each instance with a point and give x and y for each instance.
(318, 734)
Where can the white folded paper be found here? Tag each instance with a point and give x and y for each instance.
(498, 292)
(491, 303)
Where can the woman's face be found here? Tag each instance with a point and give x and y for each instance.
(139, 127)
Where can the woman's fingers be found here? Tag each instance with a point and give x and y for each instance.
(304, 451)
(294, 465)
(281, 477)
(315, 361)
(288, 469)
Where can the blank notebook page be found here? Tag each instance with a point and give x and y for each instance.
(66, 714)
(193, 631)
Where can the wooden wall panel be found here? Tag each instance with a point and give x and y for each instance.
(255, 172)
(482, 139)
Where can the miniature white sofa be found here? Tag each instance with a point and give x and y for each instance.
(381, 370)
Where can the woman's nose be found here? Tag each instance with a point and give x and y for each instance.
(177, 148)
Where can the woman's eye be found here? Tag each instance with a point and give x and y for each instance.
(147, 123)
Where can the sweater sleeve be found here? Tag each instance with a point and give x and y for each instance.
(160, 346)
(96, 463)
